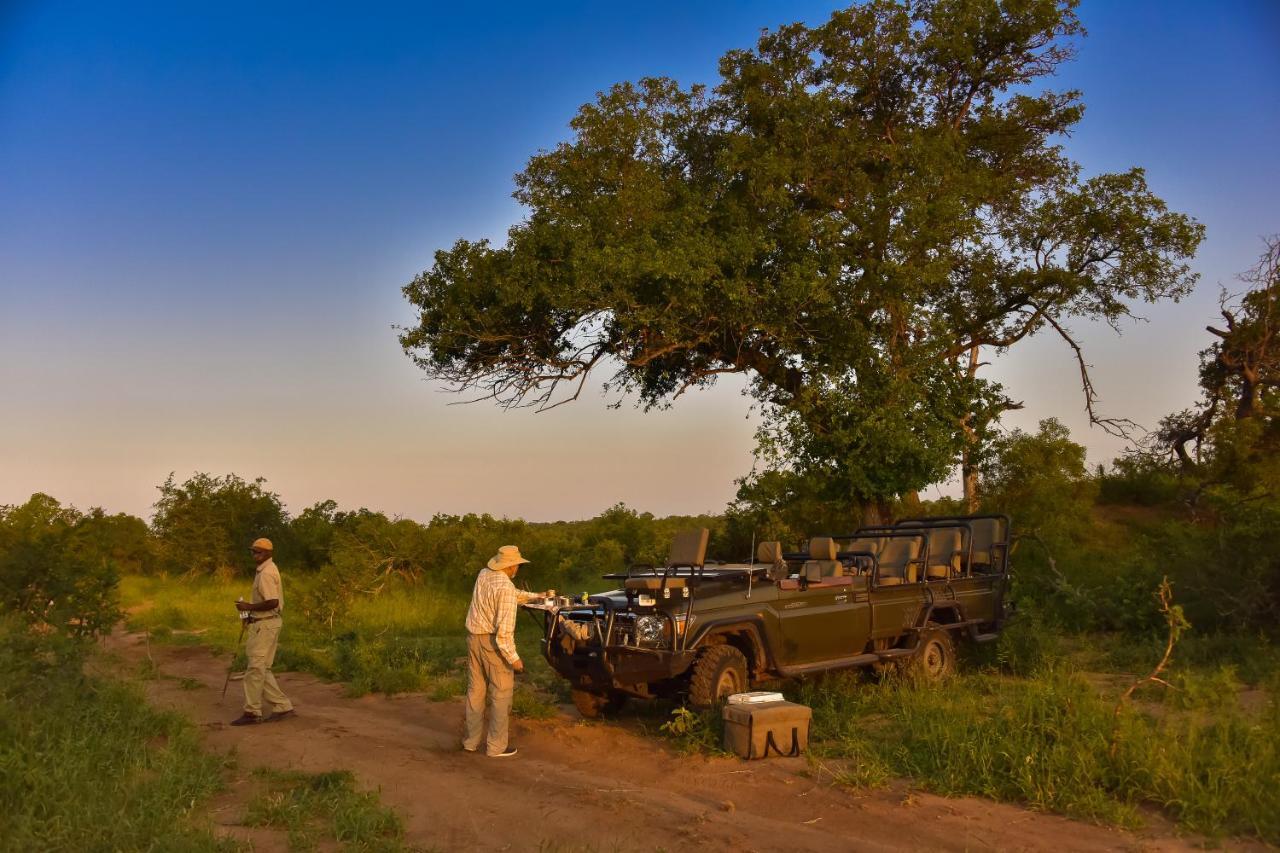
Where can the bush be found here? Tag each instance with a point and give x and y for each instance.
(50, 575)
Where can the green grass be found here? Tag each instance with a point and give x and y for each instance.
(85, 764)
(319, 806)
(411, 638)
(1045, 741)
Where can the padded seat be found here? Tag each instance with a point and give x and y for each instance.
(822, 562)
(689, 548)
(988, 542)
(899, 559)
(770, 554)
(945, 553)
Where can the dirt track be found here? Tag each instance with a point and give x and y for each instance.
(578, 786)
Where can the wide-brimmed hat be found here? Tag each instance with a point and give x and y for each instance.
(507, 556)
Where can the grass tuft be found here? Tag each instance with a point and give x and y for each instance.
(316, 806)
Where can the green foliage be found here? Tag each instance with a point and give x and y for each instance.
(316, 806)
(1141, 479)
(87, 765)
(852, 209)
(206, 524)
(58, 570)
(1044, 741)
(695, 731)
(1042, 480)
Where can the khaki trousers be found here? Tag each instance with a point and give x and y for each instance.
(260, 647)
(490, 684)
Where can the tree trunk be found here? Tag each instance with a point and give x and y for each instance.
(969, 475)
(968, 458)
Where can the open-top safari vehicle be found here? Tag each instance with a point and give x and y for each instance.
(900, 595)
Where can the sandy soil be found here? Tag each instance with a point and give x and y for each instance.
(582, 786)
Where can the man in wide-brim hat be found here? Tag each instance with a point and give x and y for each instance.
(492, 659)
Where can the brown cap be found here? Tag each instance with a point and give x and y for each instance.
(262, 545)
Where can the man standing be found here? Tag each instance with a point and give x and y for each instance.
(263, 634)
(492, 659)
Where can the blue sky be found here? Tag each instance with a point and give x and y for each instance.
(206, 214)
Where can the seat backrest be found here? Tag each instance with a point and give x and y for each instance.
(986, 532)
(689, 548)
(770, 554)
(822, 562)
(866, 544)
(945, 556)
(897, 558)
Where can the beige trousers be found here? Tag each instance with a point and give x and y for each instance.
(260, 647)
(490, 683)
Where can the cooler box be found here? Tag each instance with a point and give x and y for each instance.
(759, 730)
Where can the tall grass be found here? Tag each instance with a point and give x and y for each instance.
(1046, 741)
(85, 764)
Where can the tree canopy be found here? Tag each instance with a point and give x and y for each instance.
(844, 219)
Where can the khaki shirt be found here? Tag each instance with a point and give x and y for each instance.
(267, 585)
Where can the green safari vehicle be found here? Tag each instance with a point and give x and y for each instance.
(896, 596)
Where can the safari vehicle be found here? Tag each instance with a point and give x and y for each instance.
(898, 596)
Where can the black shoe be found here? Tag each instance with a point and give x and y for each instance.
(283, 715)
(506, 753)
(246, 720)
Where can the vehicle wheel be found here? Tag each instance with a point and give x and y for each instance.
(718, 673)
(936, 658)
(592, 705)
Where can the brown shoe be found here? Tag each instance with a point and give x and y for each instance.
(246, 719)
(282, 715)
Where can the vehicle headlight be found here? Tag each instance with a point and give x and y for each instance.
(650, 631)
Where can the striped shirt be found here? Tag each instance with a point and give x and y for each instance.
(493, 611)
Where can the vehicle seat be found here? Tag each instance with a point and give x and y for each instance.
(867, 544)
(898, 560)
(770, 554)
(822, 562)
(987, 539)
(945, 554)
(689, 548)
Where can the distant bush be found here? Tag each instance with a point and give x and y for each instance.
(206, 523)
(1139, 479)
(58, 571)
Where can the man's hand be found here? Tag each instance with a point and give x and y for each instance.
(243, 606)
(518, 666)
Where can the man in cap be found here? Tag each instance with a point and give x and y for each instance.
(492, 659)
(262, 635)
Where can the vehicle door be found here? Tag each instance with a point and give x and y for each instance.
(823, 620)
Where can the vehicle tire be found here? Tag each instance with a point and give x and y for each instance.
(936, 657)
(592, 705)
(718, 673)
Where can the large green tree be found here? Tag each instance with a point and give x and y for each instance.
(846, 219)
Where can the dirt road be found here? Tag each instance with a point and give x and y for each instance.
(582, 786)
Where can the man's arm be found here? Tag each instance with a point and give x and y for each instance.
(505, 630)
(250, 607)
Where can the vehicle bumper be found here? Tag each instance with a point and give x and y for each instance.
(618, 667)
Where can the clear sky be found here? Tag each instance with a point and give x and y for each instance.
(207, 212)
